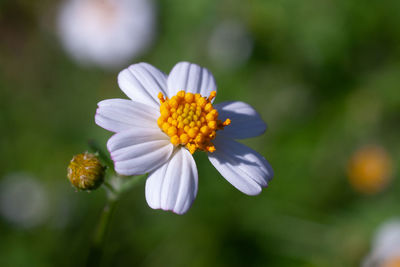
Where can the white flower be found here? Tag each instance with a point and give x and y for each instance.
(386, 246)
(107, 33)
(189, 122)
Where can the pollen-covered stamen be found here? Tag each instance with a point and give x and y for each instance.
(190, 120)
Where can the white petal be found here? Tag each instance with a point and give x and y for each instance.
(174, 185)
(142, 82)
(245, 120)
(190, 78)
(139, 150)
(244, 168)
(118, 115)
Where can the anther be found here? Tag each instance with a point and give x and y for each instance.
(212, 95)
(161, 97)
(211, 149)
(226, 122)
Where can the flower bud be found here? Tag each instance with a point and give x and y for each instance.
(85, 171)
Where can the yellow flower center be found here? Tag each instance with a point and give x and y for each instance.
(190, 120)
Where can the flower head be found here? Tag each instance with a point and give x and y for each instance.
(170, 117)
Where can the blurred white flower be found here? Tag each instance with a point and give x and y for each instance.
(23, 200)
(230, 45)
(386, 246)
(158, 135)
(107, 33)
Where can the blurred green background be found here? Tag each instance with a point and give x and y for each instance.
(323, 74)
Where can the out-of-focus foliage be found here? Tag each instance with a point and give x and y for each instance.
(324, 75)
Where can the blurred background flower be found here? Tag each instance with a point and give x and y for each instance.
(23, 200)
(385, 251)
(370, 169)
(230, 44)
(323, 74)
(106, 33)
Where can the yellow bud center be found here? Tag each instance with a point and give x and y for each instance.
(190, 120)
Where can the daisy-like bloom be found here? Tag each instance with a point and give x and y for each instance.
(386, 246)
(106, 33)
(170, 117)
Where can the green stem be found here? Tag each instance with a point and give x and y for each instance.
(113, 194)
(111, 188)
(132, 182)
(104, 222)
(96, 249)
(94, 147)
